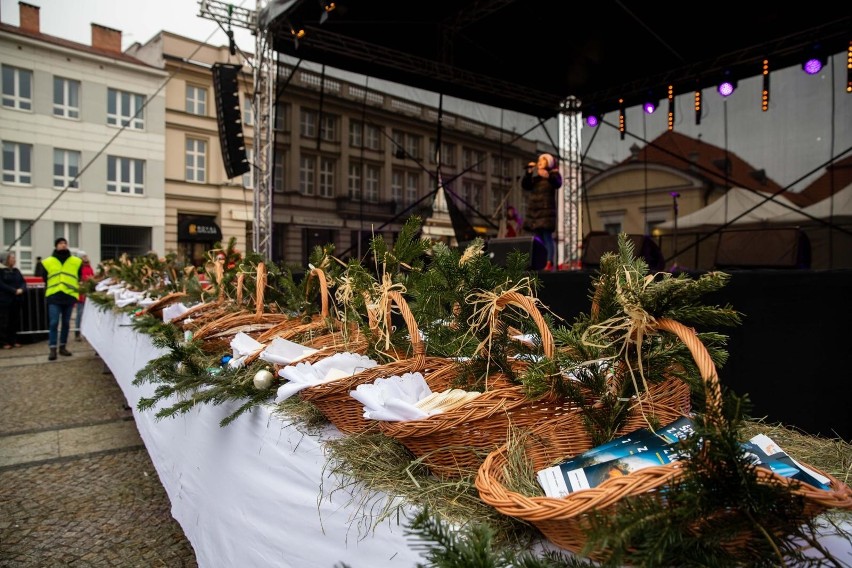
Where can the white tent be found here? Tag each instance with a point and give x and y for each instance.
(837, 208)
(738, 207)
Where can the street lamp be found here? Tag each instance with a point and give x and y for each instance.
(674, 195)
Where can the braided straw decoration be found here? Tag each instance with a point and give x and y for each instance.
(345, 412)
(563, 520)
(292, 326)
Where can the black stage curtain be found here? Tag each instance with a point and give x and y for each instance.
(789, 355)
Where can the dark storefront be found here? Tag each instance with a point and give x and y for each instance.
(196, 236)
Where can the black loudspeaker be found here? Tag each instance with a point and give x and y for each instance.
(763, 248)
(596, 244)
(227, 89)
(498, 251)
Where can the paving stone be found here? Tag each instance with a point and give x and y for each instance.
(102, 508)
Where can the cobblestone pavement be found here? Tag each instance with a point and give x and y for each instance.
(77, 487)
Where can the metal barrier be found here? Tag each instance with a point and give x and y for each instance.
(33, 317)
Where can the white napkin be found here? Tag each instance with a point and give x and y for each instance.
(127, 297)
(303, 375)
(242, 345)
(284, 352)
(394, 398)
(173, 311)
(104, 284)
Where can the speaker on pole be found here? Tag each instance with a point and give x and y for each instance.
(226, 87)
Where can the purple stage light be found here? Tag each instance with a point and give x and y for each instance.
(649, 107)
(725, 88)
(591, 121)
(812, 66)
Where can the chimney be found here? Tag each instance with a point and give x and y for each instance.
(29, 18)
(106, 39)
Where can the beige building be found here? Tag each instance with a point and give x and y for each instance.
(348, 160)
(83, 137)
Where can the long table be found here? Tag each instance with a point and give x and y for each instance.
(255, 492)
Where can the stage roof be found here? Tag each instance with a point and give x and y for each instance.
(531, 56)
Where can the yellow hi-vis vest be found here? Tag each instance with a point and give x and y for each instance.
(62, 277)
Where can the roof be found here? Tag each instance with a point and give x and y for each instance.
(837, 176)
(532, 56)
(738, 206)
(59, 42)
(682, 152)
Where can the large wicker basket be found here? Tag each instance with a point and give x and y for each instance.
(333, 398)
(453, 444)
(563, 520)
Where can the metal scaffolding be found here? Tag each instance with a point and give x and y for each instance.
(570, 127)
(228, 15)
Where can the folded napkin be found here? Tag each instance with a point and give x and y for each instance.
(304, 375)
(285, 352)
(173, 311)
(393, 398)
(242, 345)
(104, 284)
(127, 297)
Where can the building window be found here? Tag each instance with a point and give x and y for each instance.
(473, 160)
(397, 177)
(66, 166)
(17, 163)
(68, 231)
(278, 172)
(355, 181)
(248, 177)
(407, 145)
(196, 160)
(448, 153)
(125, 109)
(66, 98)
(369, 134)
(17, 88)
(196, 100)
(308, 123)
(248, 111)
(307, 174)
(502, 167)
(356, 134)
(371, 183)
(412, 187)
(472, 194)
(326, 177)
(19, 242)
(328, 130)
(282, 117)
(125, 176)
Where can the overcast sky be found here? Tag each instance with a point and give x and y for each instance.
(809, 121)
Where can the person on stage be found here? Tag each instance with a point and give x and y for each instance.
(541, 181)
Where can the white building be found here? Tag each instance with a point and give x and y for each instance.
(83, 135)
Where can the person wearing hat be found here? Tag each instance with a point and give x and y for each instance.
(86, 272)
(62, 278)
(540, 183)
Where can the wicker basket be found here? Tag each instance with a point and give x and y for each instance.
(562, 520)
(454, 444)
(156, 309)
(333, 398)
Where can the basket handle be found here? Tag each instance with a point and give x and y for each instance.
(220, 278)
(417, 346)
(260, 290)
(240, 279)
(323, 284)
(706, 367)
(527, 304)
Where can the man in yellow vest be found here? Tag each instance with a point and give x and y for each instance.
(62, 280)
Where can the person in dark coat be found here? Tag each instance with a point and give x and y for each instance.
(13, 290)
(540, 184)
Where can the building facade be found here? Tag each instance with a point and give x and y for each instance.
(83, 137)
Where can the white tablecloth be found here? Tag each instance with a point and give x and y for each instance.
(253, 493)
